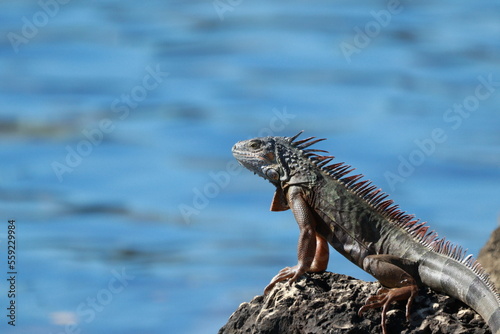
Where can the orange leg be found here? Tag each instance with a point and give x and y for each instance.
(312, 249)
(401, 285)
(319, 263)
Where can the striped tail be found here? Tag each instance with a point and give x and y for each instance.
(465, 280)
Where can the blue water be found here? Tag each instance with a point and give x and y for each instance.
(118, 117)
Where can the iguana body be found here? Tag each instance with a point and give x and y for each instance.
(356, 219)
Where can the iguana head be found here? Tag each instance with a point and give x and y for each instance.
(277, 159)
(259, 156)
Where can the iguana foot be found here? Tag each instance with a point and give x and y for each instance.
(293, 273)
(384, 297)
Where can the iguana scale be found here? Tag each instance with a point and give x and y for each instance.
(358, 220)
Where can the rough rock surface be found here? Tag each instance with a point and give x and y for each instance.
(488, 257)
(328, 303)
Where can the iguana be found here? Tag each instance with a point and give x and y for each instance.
(356, 218)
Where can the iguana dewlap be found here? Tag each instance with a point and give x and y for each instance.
(356, 219)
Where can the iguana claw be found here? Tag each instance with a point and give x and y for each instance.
(293, 273)
(384, 297)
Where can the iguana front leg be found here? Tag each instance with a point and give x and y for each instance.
(394, 274)
(312, 250)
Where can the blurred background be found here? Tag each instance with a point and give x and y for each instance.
(118, 117)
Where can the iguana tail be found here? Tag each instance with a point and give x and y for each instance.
(464, 279)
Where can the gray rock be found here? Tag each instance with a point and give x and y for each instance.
(488, 257)
(328, 303)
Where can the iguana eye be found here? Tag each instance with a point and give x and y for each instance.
(256, 144)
